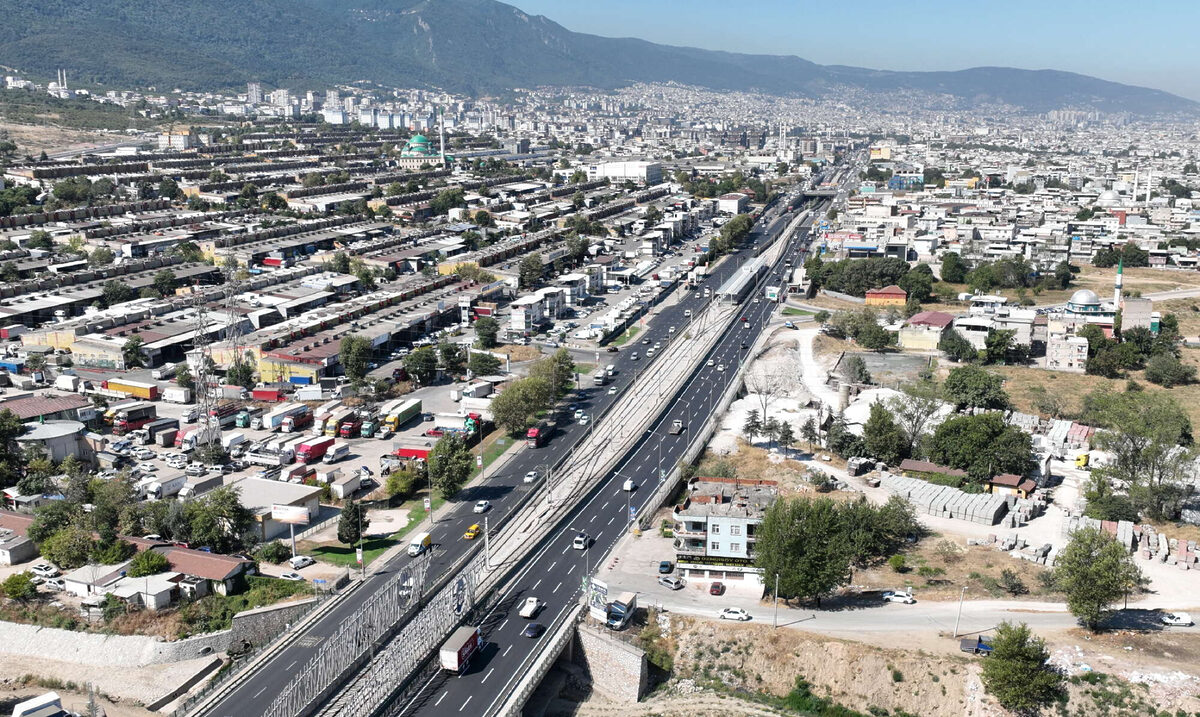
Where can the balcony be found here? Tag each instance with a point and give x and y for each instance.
(689, 547)
(693, 530)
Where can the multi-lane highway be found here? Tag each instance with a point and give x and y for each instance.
(502, 487)
(555, 575)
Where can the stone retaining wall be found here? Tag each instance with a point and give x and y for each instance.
(260, 626)
(619, 670)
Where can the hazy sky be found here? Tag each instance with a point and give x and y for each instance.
(1151, 44)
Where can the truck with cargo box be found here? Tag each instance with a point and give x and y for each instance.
(456, 652)
(177, 394)
(133, 418)
(297, 421)
(135, 389)
(402, 414)
(273, 420)
(313, 449)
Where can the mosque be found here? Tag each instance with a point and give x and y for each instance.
(419, 151)
(1085, 307)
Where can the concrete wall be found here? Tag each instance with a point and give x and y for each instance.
(618, 669)
(260, 626)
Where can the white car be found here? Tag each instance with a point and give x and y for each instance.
(530, 608)
(711, 363)
(531, 476)
(687, 312)
(300, 561)
(581, 542)
(612, 391)
(1177, 619)
(294, 577)
(893, 596)
(44, 570)
(734, 613)
(721, 368)
(144, 454)
(55, 585)
(481, 506)
(583, 420)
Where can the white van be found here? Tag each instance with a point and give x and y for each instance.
(419, 544)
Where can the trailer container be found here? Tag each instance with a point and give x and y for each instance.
(137, 389)
(456, 652)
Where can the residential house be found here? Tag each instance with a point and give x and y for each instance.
(887, 296)
(924, 330)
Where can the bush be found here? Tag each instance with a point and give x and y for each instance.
(19, 586)
(274, 552)
(148, 562)
(118, 551)
(897, 563)
(1011, 583)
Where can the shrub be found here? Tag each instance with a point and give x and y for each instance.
(148, 562)
(897, 676)
(897, 563)
(19, 586)
(274, 552)
(1012, 583)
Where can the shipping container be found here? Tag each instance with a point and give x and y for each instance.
(145, 391)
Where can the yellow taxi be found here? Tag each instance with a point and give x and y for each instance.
(472, 532)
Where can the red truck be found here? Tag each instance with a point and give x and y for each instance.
(351, 427)
(297, 422)
(313, 450)
(537, 436)
(133, 418)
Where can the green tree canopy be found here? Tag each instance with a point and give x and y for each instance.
(148, 562)
(971, 386)
(1094, 571)
(486, 329)
(352, 523)
(450, 465)
(355, 355)
(1017, 672)
(884, 440)
(483, 364)
(796, 542)
(422, 364)
(982, 445)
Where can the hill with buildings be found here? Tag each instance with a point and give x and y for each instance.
(477, 46)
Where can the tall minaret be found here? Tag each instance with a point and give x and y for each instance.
(1117, 284)
(441, 137)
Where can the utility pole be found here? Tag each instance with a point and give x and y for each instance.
(487, 546)
(775, 620)
(362, 563)
(961, 595)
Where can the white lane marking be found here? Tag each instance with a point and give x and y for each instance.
(439, 700)
(489, 674)
(535, 585)
(256, 694)
(289, 667)
(566, 548)
(556, 587)
(552, 566)
(505, 653)
(460, 709)
(610, 520)
(502, 625)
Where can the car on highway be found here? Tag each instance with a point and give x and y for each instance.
(612, 349)
(734, 613)
(897, 596)
(721, 368)
(687, 312)
(578, 413)
(612, 390)
(294, 577)
(472, 532)
(671, 582)
(646, 341)
(583, 420)
(44, 570)
(581, 542)
(711, 363)
(481, 506)
(634, 357)
(300, 561)
(1177, 619)
(717, 589)
(533, 630)
(665, 567)
(530, 608)
(531, 476)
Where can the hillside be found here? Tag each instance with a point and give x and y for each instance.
(472, 46)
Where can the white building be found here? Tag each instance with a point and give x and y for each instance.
(640, 172)
(715, 528)
(732, 203)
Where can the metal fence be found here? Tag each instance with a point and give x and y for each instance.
(354, 638)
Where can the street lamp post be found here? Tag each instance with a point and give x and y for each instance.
(775, 620)
(961, 595)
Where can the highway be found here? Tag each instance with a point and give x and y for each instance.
(502, 488)
(555, 575)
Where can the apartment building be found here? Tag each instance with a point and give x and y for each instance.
(715, 528)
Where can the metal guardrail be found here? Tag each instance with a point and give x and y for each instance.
(563, 631)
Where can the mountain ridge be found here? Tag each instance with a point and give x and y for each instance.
(469, 46)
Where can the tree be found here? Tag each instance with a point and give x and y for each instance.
(115, 292)
(219, 520)
(486, 330)
(998, 345)
(450, 465)
(1167, 371)
(517, 406)
(52, 517)
(956, 346)
(856, 370)
(483, 364)
(249, 191)
(69, 548)
(274, 552)
(451, 356)
(797, 543)
(918, 284)
(913, 411)
(148, 562)
(787, 437)
(1016, 672)
(1063, 274)
(101, 256)
(578, 177)
(972, 386)
(164, 282)
(273, 202)
(241, 373)
(753, 425)
(183, 376)
(422, 364)
(131, 352)
(873, 337)
(169, 189)
(1094, 571)
(883, 439)
(355, 355)
(19, 587)
(340, 262)
(954, 269)
(982, 445)
(352, 522)
(446, 200)
(530, 270)
(1149, 438)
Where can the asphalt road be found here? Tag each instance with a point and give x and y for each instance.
(555, 575)
(504, 487)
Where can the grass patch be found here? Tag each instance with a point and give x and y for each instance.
(798, 312)
(344, 555)
(626, 337)
(492, 447)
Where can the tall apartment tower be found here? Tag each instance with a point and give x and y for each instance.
(254, 93)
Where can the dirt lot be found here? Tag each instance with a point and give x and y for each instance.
(33, 139)
(518, 354)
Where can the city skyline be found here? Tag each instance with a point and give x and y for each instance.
(1071, 36)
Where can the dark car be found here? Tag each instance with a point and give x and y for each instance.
(665, 567)
(716, 589)
(612, 349)
(533, 629)
(745, 345)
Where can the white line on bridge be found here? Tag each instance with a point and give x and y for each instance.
(506, 651)
(460, 709)
(489, 674)
(539, 582)
(502, 625)
(439, 700)
(556, 587)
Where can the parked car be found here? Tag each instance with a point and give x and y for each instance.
(300, 561)
(44, 570)
(671, 582)
(716, 589)
(734, 613)
(294, 577)
(896, 596)
(1177, 619)
(665, 567)
(55, 584)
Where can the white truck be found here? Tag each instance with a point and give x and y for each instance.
(160, 487)
(177, 394)
(229, 440)
(273, 420)
(336, 452)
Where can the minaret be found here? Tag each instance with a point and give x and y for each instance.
(1117, 284)
(442, 137)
